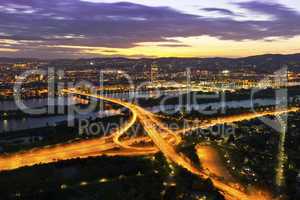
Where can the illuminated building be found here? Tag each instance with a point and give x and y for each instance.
(154, 72)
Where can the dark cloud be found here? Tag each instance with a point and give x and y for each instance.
(220, 10)
(122, 25)
(173, 45)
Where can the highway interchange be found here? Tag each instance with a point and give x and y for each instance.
(163, 139)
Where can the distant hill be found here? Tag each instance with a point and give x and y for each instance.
(17, 60)
(268, 62)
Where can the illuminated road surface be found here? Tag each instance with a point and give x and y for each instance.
(213, 163)
(164, 139)
(281, 157)
(235, 118)
(211, 160)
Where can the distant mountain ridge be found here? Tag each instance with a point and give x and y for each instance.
(260, 62)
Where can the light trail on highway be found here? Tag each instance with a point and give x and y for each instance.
(165, 140)
(180, 159)
(235, 118)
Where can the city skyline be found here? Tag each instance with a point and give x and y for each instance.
(134, 29)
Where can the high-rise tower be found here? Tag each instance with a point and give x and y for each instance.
(154, 72)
